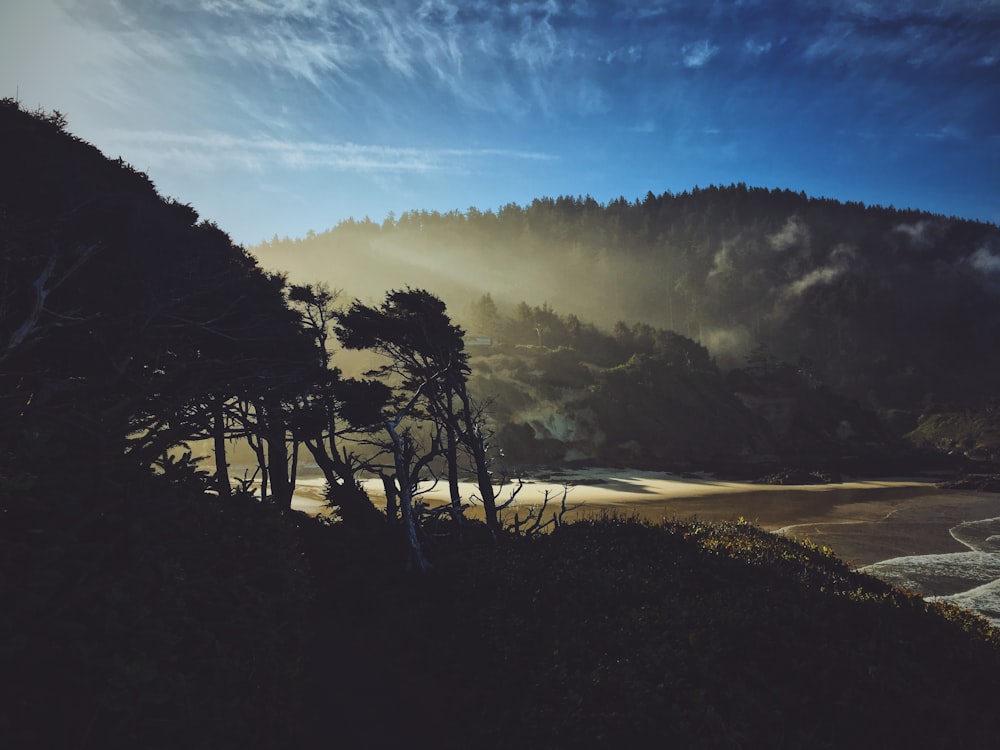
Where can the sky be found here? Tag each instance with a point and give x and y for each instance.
(276, 117)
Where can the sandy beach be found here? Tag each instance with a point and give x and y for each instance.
(910, 532)
(863, 521)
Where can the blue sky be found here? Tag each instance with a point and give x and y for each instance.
(280, 116)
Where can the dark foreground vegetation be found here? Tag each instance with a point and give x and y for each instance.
(615, 633)
(151, 601)
(165, 621)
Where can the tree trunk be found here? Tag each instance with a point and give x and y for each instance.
(254, 431)
(219, 442)
(391, 499)
(416, 560)
(277, 456)
(451, 457)
(484, 479)
(343, 489)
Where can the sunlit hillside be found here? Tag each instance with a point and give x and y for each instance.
(896, 311)
(889, 306)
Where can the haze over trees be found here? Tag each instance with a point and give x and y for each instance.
(890, 306)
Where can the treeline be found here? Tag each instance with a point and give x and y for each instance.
(896, 308)
(542, 325)
(561, 389)
(637, 395)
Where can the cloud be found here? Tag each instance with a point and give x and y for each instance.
(308, 59)
(985, 261)
(630, 54)
(698, 54)
(644, 11)
(537, 45)
(757, 49)
(794, 234)
(946, 133)
(921, 235)
(837, 265)
(919, 34)
(214, 151)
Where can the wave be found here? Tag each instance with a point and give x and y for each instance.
(969, 579)
(979, 536)
(985, 600)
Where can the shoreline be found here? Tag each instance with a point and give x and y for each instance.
(901, 530)
(863, 521)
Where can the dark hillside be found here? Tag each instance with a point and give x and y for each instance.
(616, 634)
(142, 604)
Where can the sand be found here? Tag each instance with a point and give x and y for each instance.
(863, 521)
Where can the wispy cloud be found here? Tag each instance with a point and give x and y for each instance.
(630, 54)
(840, 261)
(214, 151)
(946, 133)
(698, 54)
(757, 48)
(919, 33)
(308, 84)
(537, 45)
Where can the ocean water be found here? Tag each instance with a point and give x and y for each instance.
(969, 579)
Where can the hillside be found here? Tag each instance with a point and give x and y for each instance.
(897, 310)
(612, 634)
(644, 397)
(143, 602)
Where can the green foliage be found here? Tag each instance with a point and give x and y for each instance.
(639, 395)
(671, 411)
(975, 433)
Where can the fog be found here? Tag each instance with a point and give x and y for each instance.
(843, 285)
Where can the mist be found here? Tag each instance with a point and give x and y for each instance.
(731, 268)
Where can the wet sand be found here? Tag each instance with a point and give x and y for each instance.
(863, 522)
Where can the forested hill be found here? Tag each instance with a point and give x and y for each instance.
(896, 308)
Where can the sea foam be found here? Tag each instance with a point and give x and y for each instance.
(969, 579)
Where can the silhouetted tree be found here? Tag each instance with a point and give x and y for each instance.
(426, 353)
(330, 407)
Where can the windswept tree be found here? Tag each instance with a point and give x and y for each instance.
(426, 359)
(329, 408)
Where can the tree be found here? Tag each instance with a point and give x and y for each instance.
(128, 327)
(330, 407)
(427, 360)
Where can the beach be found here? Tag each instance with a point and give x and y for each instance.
(864, 521)
(943, 543)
